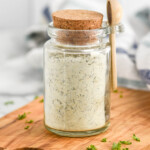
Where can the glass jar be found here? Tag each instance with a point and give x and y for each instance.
(77, 81)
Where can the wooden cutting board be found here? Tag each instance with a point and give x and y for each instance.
(129, 114)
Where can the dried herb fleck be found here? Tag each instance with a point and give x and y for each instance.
(91, 147)
(20, 117)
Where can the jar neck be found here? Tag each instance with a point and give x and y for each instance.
(80, 42)
(83, 38)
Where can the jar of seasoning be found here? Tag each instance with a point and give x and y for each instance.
(77, 74)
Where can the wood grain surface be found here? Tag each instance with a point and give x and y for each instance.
(129, 114)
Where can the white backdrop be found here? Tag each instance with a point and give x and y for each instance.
(20, 14)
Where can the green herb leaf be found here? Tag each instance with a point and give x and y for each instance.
(115, 91)
(116, 146)
(41, 101)
(121, 96)
(91, 147)
(27, 127)
(30, 121)
(126, 142)
(20, 117)
(8, 103)
(104, 140)
(136, 138)
(36, 97)
(125, 149)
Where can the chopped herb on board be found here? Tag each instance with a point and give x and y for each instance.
(116, 146)
(136, 138)
(30, 121)
(8, 103)
(27, 127)
(121, 96)
(126, 142)
(91, 147)
(104, 140)
(115, 91)
(41, 101)
(20, 117)
(36, 97)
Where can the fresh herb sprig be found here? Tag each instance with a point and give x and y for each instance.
(104, 140)
(27, 127)
(136, 138)
(9, 103)
(36, 97)
(126, 142)
(30, 121)
(91, 147)
(121, 96)
(20, 117)
(115, 91)
(116, 146)
(41, 101)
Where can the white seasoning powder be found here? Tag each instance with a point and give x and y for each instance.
(75, 90)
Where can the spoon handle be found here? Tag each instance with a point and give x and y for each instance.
(113, 61)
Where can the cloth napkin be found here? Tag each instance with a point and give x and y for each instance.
(133, 62)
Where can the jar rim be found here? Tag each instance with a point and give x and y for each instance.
(100, 32)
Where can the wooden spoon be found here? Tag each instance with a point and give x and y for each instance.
(114, 14)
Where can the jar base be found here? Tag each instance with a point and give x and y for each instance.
(79, 133)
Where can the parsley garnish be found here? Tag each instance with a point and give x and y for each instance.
(125, 149)
(126, 142)
(27, 127)
(20, 117)
(115, 91)
(30, 121)
(8, 102)
(41, 101)
(116, 146)
(121, 96)
(36, 97)
(91, 147)
(104, 140)
(135, 138)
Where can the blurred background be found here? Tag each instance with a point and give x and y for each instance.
(23, 27)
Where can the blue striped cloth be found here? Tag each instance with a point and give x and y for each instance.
(133, 47)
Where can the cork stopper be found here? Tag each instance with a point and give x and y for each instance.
(77, 19)
(79, 24)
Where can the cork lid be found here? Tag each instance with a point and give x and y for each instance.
(77, 19)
